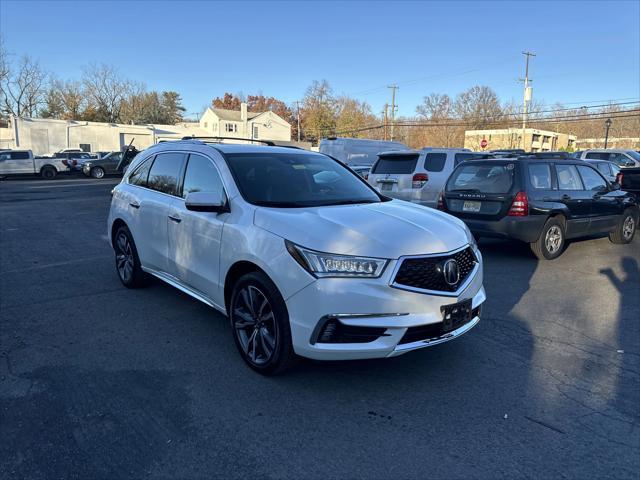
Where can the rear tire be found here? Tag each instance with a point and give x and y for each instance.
(48, 173)
(550, 244)
(97, 172)
(260, 325)
(128, 266)
(626, 228)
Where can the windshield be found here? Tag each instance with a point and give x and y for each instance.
(290, 180)
(482, 178)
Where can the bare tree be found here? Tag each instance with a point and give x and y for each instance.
(23, 91)
(479, 106)
(106, 91)
(438, 109)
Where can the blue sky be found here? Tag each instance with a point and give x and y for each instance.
(586, 51)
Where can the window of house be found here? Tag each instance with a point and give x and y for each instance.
(535, 137)
(255, 131)
(85, 147)
(206, 125)
(231, 127)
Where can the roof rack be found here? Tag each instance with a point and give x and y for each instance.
(548, 155)
(196, 137)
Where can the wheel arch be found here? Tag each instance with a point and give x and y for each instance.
(237, 270)
(48, 165)
(117, 223)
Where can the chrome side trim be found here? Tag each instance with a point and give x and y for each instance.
(439, 293)
(435, 341)
(174, 282)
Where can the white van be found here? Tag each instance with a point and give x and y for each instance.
(357, 151)
(417, 175)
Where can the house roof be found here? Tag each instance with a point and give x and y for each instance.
(233, 115)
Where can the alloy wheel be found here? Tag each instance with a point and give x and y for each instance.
(124, 258)
(254, 324)
(628, 227)
(553, 239)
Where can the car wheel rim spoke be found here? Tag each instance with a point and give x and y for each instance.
(628, 227)
(553, 239)
(254, 325)
(124, 258)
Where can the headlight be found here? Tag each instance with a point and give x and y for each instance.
(322, 264)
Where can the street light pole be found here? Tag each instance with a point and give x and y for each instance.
(607, 124)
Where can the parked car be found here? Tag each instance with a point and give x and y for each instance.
(106, 165)
(629, 180)
(357, 151)
(541, 202)
(362, 170)
(622, 158)
(608, 169)
(22, 162)
(73, 160)
(417, 175)
(301, 253)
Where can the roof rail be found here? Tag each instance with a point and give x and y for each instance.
(547, 155)
(195, 137)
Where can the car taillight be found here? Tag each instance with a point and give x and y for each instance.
(419, 179)
(440, 205)
(520, 206)
(619, 177)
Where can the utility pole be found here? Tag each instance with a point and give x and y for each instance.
(607, 125)
(393, 88)
(385, 114)
(298, 115)
(527, 95)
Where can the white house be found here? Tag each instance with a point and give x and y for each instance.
(245, 124)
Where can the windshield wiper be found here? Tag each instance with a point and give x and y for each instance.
(349, 202)
(279, 204)
(466, 190)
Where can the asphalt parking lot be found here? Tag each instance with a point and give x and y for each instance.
(97, 381)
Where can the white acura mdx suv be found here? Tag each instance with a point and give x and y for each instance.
(300, 252)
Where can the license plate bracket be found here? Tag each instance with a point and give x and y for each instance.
(387, 186)
(456, 315)
(470, 206)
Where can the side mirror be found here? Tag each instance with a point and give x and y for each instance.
(206, 202)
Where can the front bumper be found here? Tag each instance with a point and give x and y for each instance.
(372, 303)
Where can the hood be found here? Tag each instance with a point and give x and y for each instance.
(385, 230)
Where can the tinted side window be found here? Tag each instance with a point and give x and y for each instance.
(592, 179)
(396, 164)
(604, 168)
(201, 176)
(598, 155)
(434, 162)
(164, 173)
(19, 155)
(540, 176)
(568, 178)
(139, 176)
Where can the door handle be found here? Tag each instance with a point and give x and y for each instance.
(134, 204)
(175, 219)
(566, 197)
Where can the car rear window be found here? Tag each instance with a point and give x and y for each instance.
(482, 177)
(434, 162)
(540, 176)
(395, 164)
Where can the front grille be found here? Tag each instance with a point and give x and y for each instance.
(432, 331)
(426, 273)
(333, 331)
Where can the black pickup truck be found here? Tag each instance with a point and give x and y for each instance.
(629, 180)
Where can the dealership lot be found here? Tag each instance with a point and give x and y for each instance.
(100, 381)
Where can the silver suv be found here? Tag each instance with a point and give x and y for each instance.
(417, 175)
(622, 158)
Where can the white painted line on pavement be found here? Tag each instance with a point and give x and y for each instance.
(76, 185)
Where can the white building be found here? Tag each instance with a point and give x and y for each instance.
(245, 124)
(46, 136)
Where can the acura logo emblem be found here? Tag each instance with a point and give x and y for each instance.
(451, 272)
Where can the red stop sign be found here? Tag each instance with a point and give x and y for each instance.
(484, 143)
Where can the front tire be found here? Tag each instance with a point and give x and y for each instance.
(128, 266)
(260, 324)
(97, 172)
(550, 244)
(626, 228)
(48, 173)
